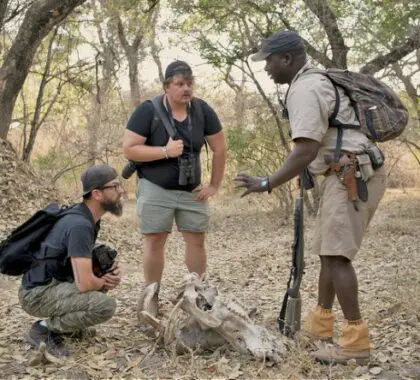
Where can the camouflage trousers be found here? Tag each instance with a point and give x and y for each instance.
(67, 309)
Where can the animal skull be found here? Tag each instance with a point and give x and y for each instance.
(213, 319)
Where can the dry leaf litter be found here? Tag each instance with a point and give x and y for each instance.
(249, 246)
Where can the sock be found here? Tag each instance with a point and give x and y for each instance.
(356, 322)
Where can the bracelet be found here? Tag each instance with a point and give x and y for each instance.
(165, 151)
(268, 185)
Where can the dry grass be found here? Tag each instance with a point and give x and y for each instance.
(249, 256)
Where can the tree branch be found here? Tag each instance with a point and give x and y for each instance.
(317, 55)
(3, 10)
(398, 52)
(40, 18)
(17, 11)
(67, 169)
(329, 21)
(121, 35)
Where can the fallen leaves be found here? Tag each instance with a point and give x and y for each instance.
(22, 193)
(42, 356)
(375, 370)
(248, 256)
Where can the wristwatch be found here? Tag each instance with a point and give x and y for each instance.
(265, 185)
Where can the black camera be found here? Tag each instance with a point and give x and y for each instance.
(128, 170)
(187, 167)
(103, 258)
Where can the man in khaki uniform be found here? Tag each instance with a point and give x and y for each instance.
(341, 223)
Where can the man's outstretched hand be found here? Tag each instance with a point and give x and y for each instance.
(252, 184)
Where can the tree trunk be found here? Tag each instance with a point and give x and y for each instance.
(409, 88)
(133, 73)
(35, 123)
(329, 22)
(3, 10)
(99, 99)
(154, 48)
(39, 20)
(132, 54)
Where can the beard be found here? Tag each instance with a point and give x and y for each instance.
(113, 207)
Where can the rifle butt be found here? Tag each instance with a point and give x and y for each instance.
(293, 316)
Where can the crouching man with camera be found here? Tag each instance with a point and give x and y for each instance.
(68, 285)
(164, 138)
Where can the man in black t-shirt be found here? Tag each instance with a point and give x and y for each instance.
(170, 177)
(62, 287)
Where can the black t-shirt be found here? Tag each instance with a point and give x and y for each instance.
(73, 235)
(165, 172)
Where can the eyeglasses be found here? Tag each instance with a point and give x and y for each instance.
(116, 186)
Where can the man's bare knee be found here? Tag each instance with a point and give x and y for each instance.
(156, 241)
(195, 239)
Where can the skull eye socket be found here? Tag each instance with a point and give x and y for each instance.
(203, 304)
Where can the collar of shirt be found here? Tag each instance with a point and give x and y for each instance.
(305, 67)
(86, 212)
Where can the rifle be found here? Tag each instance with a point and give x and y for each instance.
(290, 313)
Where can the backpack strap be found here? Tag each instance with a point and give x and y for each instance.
(155, 122)
(198, 109)
(333, 122)
(161, 114)
(157, 102)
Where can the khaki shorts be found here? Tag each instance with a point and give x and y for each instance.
(339, 227)
(158, 207)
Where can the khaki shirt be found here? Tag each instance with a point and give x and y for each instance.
(310, 102)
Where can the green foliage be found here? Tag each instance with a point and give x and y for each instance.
(51, 162)
(225, 34)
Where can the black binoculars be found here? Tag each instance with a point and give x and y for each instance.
(187, 170)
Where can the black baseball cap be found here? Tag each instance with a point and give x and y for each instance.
(97, 176)
(280, 42)
(178, 68)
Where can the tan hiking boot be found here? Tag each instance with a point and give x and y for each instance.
(338, 355)
(148, 301)
(353, 344)
(319, 324)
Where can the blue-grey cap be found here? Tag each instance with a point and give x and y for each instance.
(97, 176)
(280, 42)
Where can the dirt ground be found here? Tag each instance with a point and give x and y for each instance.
(249, 248)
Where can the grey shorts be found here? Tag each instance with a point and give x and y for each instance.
(158, 207)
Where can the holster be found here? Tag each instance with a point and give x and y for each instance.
(349, 181)
(345, 169)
